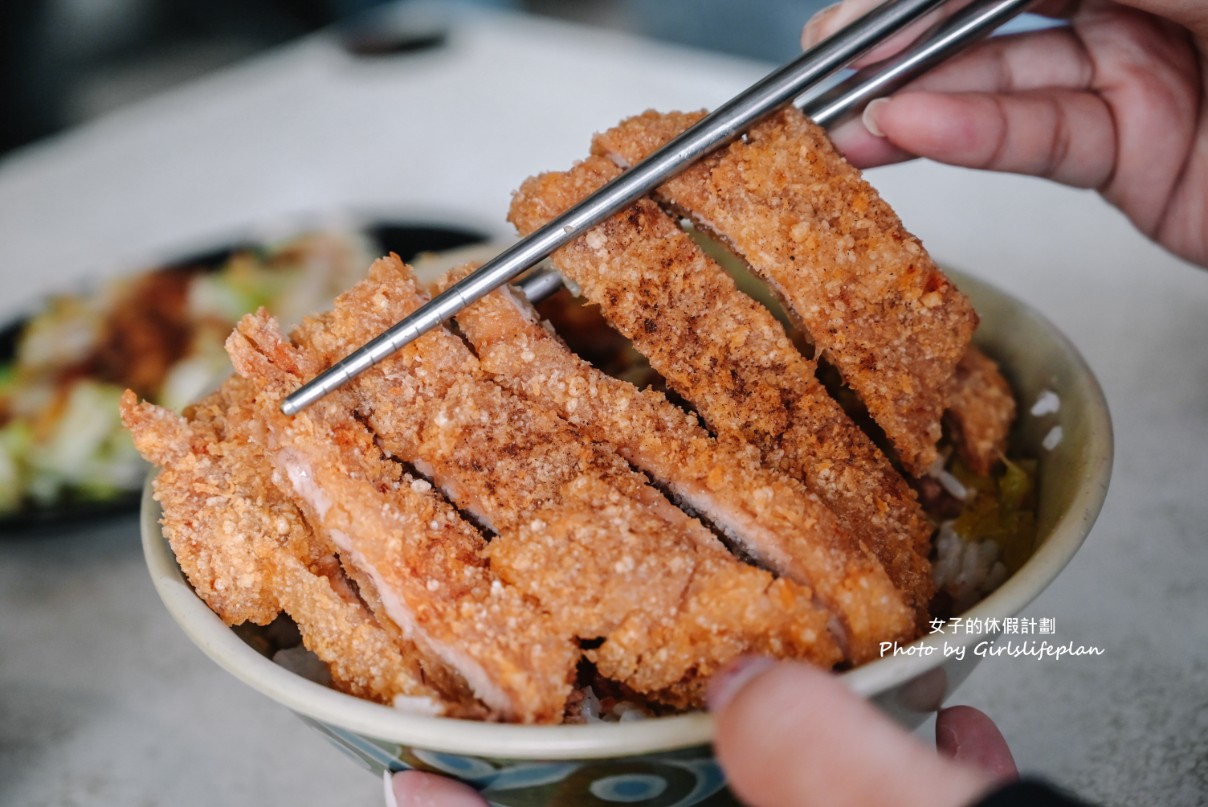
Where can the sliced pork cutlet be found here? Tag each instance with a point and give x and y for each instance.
(250, 554)
(425, 563)
(864, 289)
(981, 409)
(768, 515)
(727, 356)
(577, 530)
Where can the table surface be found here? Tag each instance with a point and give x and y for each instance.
(104, 701)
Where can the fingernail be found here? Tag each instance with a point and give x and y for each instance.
(870, 116)
(727, 682)
(812, 33)
(948, 741)
(388, 784)
(419, 789)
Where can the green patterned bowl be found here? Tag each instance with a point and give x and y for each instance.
(669, 761)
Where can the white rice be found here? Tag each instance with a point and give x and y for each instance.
(948, 482)
(1047, 403)
(592, 710)
(1052, 439)
(965, 570)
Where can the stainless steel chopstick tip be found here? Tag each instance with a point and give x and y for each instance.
(535, 286)
(325, 382)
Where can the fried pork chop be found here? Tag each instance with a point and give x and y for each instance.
(734, 363)
(768, 515)
(484, 518)
(250, 554)
(981, 409)
(426, 565)
(867, 294)
(575, 528)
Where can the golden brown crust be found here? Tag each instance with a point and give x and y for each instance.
(577, 530)
(804, 219)
(981, 409)
(770, 515)
(248, 552)
(355, 516)
(425, 563)
(733, 362)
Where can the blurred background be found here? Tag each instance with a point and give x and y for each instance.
(63, 62)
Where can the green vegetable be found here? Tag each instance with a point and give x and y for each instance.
(14, 441)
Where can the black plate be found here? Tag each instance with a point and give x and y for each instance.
(407, 238)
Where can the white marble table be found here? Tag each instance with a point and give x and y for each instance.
(103, 701)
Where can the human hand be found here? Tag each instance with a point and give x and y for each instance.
(790, 734)
(419, 789)
(1116, 101)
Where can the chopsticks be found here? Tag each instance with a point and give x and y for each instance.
(722, 126)
(944, 40)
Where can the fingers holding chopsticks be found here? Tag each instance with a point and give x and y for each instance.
(832, 18)
(1023, 104)
(1109, 101)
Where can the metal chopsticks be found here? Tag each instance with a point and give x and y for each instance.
(720, 127)
(848, 97)
(945, 39)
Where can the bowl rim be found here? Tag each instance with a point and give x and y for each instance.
(603, 740)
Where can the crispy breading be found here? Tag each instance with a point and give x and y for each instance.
(485, 519)
(577, 529)
(733, 362)
(804, 219)
(981, 409)
(204, 509)
(248, 552)
(426, 564)
(769, 515)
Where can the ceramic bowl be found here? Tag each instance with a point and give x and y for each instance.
(669, 761)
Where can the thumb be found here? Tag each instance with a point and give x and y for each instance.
(419, 789)
(968, 735)
(791, 734)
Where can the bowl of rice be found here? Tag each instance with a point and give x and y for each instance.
(1063, 432)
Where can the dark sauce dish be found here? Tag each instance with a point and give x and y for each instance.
(73, 511)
